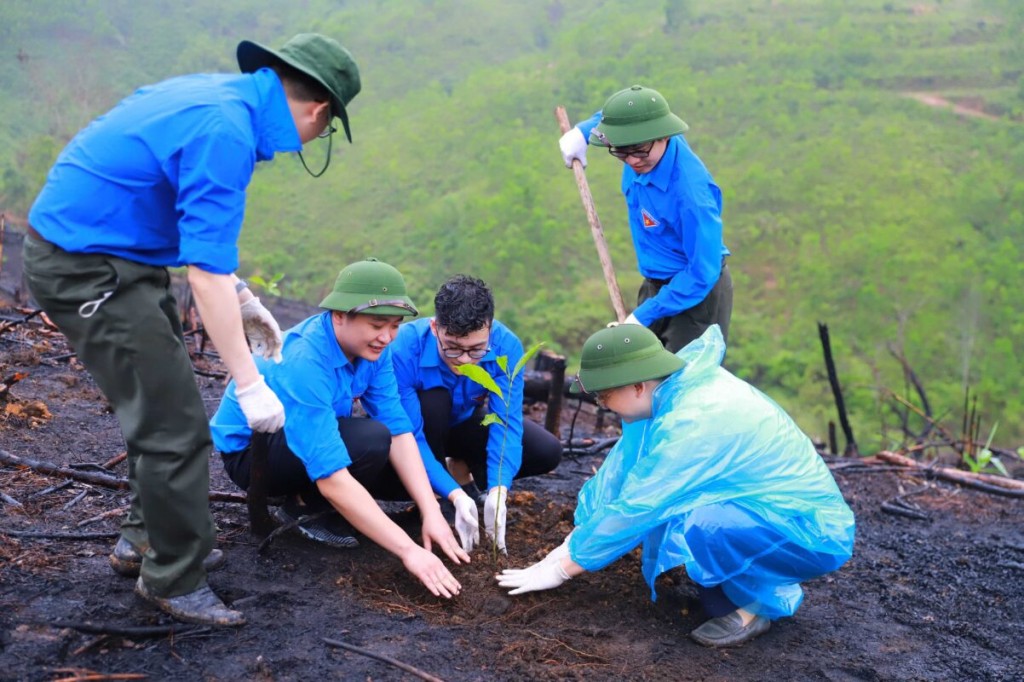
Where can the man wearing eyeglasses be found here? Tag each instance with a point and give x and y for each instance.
(446, 408)
(325, 458)
(675, 214)
(160, 181)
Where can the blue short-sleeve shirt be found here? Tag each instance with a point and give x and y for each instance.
(161, 178)
(317, 384)
(420, 367)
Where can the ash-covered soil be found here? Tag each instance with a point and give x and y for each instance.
(939, 598)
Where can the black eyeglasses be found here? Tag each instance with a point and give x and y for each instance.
(327, 132)
(637, 151)
(454, 353)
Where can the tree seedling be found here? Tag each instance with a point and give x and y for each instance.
(479, 375)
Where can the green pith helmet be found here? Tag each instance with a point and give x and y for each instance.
(621, 355)
(370, 287)
(317, 56)
(633, 116)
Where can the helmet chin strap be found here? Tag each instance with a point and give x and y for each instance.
(330, 139)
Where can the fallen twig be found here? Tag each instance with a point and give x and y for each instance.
(51, 489)
(11, 501)
(86, 675)
(105, 515)
(996, 485)
(115, 460)
(386, 659)
(130, 631)
(59, 536)
(575, 651)
(100, 480)
(75, 500)
(898, 510)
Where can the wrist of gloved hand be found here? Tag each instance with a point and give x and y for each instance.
(261, 329)
(573, 147)
(496, 514)
(467, 521)
(560, 552)
(540, 576)
(262, 409)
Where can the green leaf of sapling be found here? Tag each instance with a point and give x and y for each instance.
(479, 375)
(526, 358)
(491, 418)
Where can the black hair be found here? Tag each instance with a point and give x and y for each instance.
(463, 305)
(300, 85)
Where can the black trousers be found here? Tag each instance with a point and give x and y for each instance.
(369, 445)
(467, 441)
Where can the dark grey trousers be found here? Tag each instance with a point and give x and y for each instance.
(122, 320)
(678, 330)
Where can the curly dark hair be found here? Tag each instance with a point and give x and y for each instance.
(463, 305)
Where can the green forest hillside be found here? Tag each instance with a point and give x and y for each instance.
(848, 199)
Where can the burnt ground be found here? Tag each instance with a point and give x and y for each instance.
(935, 598)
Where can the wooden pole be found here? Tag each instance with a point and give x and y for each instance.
(595, 225)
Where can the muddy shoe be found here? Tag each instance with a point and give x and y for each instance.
(201, 606)
(127, 561)
(330, 529)
(728, 630)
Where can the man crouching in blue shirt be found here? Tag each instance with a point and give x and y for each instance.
(324, 457)
(446, 408)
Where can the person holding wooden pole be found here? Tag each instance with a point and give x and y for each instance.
(675, 214)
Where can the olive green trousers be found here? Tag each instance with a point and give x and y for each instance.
(122, 321)
(678, 330)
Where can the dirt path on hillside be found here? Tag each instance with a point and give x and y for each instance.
(933, 598)
(934, 100)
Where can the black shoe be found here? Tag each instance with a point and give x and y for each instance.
(200, 606)
(729, 630)
(330, 529)
(127, 561)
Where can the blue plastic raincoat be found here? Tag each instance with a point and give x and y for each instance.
(721, 481)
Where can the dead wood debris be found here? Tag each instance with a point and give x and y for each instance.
(385, 659)
(101, 480)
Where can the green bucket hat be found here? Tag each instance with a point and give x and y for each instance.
(317, 56)
(621, 355)
(370, 287)
(633, 116)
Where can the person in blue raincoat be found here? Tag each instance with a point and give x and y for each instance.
(710, 474)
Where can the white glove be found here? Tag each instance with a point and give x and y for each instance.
(543, 575)
(467, 521)
(573, 146)
(495, 515)
(262, 409)
(262, 330)
(631, 319)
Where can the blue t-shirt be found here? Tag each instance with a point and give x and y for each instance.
(420, 367)
(675, 217)
(317, 384)
(160, 179)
